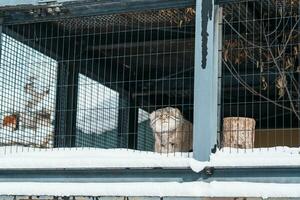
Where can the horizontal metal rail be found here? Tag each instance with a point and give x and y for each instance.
(243, 174)
(276, 174)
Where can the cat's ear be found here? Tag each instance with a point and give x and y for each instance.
(177, 112)
(152, 116)
(169, 110)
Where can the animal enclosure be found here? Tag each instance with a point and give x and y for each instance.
(260, 72)
(123, 80)
(126, 80)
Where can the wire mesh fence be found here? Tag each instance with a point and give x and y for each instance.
(110, 81)
(27, 95)
(260, 71)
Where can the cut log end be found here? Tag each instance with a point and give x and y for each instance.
(239, 132)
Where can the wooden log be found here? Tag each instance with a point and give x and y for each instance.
(238, 132)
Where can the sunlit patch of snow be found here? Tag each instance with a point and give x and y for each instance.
(24, 157)
(154, 189)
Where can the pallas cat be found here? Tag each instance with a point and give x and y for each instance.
(172, 132)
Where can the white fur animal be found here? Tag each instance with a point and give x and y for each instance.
(171, 131)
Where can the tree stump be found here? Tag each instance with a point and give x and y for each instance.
(238, 132)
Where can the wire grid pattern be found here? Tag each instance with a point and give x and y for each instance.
(28, 86)
(260, 71)
(156, 18)
(106, 75)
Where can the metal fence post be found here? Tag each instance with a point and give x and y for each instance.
(205, 88)
(66, 105)
(1, 31)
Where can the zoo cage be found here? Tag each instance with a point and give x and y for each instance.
(93, 81)
(259, 73)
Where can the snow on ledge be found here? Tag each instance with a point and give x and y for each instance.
(21, 157)
(153, 189)
(88, 158)
(260, 157)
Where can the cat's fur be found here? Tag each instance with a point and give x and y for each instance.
(171, 131)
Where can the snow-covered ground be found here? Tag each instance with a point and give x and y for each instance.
(23, 157)
(156, 189)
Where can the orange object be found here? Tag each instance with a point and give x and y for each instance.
(10, 121)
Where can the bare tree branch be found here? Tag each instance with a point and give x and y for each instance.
(250, 89)
(282, 74)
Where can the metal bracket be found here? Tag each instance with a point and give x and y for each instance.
(208, 171)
